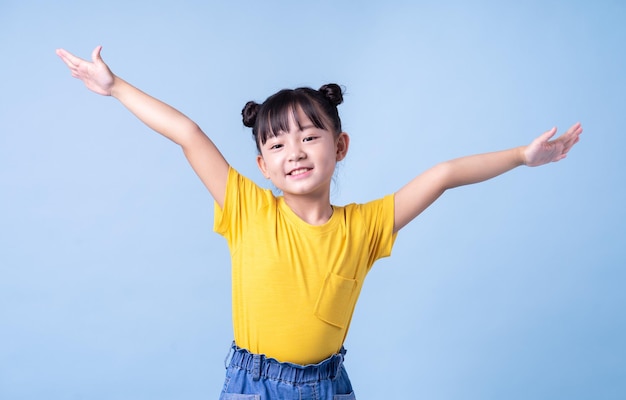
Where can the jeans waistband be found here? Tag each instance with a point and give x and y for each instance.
(261, 366)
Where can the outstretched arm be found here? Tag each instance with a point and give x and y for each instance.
(202, 154)
(423, 190)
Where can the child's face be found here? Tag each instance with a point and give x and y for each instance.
(302, 162)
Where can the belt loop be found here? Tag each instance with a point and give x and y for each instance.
(229, 355)
(340, 358)
(256, 367)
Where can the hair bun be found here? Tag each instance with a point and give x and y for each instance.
(333, 93)
(249, 113)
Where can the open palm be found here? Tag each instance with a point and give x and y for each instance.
(542, 150)
(96, 75)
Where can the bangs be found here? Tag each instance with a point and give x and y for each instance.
(277, 112)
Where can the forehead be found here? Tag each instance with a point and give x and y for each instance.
(294, 119)
(288, 112)
(298, 120)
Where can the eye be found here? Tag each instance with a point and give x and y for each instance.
(276, 146)
(309, 138)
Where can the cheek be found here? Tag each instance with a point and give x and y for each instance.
(273, 167)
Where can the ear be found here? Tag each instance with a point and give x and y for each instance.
(342, 144)
(260, 162)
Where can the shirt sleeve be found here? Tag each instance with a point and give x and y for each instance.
(242, 199)
(379, 220)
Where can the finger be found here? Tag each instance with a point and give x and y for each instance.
(63, 56)
(66, 62)
(573, 134)
(571, 142)
(575, 129)
(69, 59)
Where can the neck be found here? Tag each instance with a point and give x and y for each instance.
(313, 211)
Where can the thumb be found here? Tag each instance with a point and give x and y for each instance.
(547, 135)
(95, 55)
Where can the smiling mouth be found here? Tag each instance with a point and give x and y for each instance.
(299, 171)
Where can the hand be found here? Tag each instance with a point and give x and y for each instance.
(96, 75)
(542, 150)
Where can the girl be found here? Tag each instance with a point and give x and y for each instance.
(298, 262)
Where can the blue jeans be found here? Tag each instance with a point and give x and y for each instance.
(257, 377)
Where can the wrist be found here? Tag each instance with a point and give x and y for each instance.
(521, 155)
(116, 86)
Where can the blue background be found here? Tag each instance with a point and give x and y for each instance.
(113, 285)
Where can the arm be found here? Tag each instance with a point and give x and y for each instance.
(423, 190)
(202, 154)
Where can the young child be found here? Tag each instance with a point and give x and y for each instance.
(298, 262)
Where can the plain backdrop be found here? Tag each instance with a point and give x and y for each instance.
(113, 285)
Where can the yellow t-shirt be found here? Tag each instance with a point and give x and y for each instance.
(295, 285)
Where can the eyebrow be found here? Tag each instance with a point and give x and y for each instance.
(300, 129)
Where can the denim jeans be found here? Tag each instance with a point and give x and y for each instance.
(257, 377)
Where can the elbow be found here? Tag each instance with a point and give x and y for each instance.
(445, 176)
(191, 129)
(189, 135)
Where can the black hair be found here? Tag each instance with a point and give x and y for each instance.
(272, 117)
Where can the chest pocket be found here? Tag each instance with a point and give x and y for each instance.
(336, 300)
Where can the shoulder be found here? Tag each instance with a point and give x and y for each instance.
(375, 214)
(374, 207)
(239, 187)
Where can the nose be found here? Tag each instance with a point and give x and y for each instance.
(297, 154)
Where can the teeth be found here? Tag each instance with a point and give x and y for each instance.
(298, 171)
